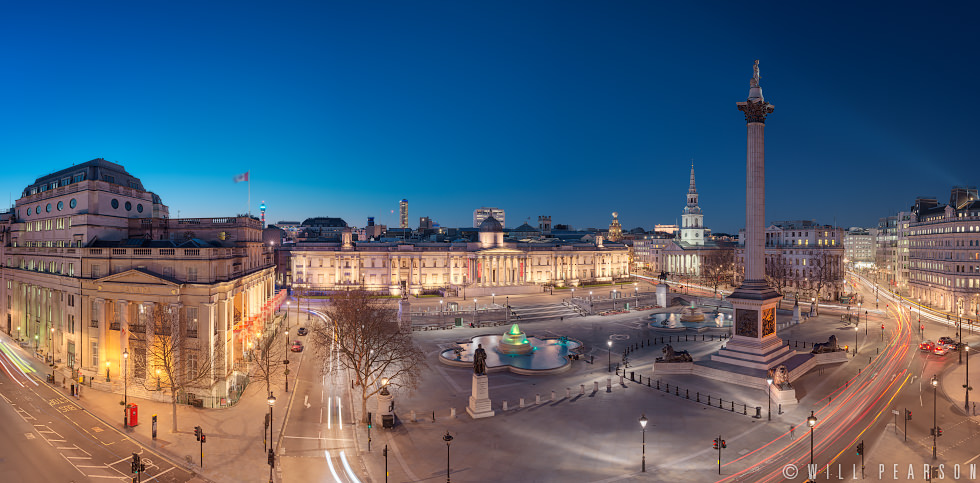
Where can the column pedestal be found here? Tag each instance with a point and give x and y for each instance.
(480, 406)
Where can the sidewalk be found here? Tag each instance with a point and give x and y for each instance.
(234, 448)
(954, 378)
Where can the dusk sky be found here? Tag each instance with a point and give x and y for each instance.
(565, 108)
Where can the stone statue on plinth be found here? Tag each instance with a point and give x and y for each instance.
(755, 74)
(480, 361)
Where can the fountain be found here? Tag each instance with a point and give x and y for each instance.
(517, 352)
(692, 314)
(514, 342)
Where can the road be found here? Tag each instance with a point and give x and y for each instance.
(318, 436)
(47, 437)
(896, 377)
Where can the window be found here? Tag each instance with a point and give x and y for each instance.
(95, 354)
(61, 205)
(192, 322)
(191, 364)
(191, 274)
(72, 204)
(48, 208)
(115, 204)
(95, 271)
(129, 206)
(95, 314)
(139, 207)
(109, 179)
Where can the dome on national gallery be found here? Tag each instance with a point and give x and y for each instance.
(491, 225)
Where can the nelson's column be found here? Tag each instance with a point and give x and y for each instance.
(755, 344)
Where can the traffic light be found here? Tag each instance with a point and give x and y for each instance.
(715, 443)
(135, 467)
(908, 415)
(204, 438)
(860, 449)
(272, 458)
(723, 444)
(369, 420)
(197, 433)
(939, 431)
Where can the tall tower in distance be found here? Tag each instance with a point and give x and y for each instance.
(262, 209)
(692, 221)
(615, 229)
(403, 214)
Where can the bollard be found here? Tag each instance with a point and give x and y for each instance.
(505, 405)
(596, 388)
(687, 394)
(433, 416)
(552, 396)
(698, 396)
(667, 389)
(658, 384)
(780, 408)
(677, 391)
(537, 398)
(758, 412)
(720, 400)
(568, 393)
(412, 416)
(709, 400)
(583, 390)
(608, 384)
(745, 410)
(648, 382)
(733, 406)
(452, 413)
(621, 377)
(522, 403)
(631, 377)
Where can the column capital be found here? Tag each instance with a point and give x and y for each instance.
(755, 111)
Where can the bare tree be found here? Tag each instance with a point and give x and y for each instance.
(777, 274)
(825, 270)
(173, 357)
(269, 354)
(717, 266)
(364, 333)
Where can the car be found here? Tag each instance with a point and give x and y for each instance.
(947, 341)
(927, 346)
(940, 350)
(297, 346)
(302, 331)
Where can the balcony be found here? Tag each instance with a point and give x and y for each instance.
(114, 326)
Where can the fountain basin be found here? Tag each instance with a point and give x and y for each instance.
(545, 355)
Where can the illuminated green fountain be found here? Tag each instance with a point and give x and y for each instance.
(514, 342)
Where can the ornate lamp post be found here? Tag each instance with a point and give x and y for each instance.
(811, 421)
(106, 371)
(966, 386)
(158, 379)
(769, 394)
(476, 314)
(272, 402)
(935, 428)
(855, 341)
(609, 353)
(448, 438)
(287, 314)
(643, 425)
(51, 346)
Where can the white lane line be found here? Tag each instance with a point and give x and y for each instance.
(111, 477)
(321, 415)
(971, 459)
(160, 474)
(79, 457)
(350, 472)
(329, 412)
(332, 470)
(340, 414)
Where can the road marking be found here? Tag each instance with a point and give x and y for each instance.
(306, 401)
(160, 474)
(340, 414)
(350, 472)
(329, 413)
(332, 470)
(29, 435)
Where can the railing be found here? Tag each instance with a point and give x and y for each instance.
(114, 326)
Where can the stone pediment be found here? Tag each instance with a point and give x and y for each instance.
(135, 277)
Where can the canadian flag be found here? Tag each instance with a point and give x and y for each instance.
(241, 177)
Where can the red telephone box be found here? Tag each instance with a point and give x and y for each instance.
(133, 414)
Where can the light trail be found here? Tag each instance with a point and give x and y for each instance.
(350, 472)
(333, 472)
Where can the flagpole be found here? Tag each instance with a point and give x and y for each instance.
(249, 178)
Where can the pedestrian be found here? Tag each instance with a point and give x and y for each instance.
(974, 409)
(792, 431)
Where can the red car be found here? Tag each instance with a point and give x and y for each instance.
(927, 346)
(297, 346)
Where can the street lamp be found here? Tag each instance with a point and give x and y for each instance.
(935, 384)
(966, 386)
(106, 371)
(51, 346)
(493, 298)
(609, 353)
(643, 424)
(769, 394)
(811, 421)
(448, 438)
(158, 379)
(272, 402)
(125, 388)
(591, 304)
(476, 314)
(865, 322)
(287, 313)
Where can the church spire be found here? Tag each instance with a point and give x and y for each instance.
(692, 190)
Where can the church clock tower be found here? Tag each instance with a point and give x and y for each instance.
(692, 221)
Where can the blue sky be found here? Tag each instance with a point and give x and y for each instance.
(572, 109)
